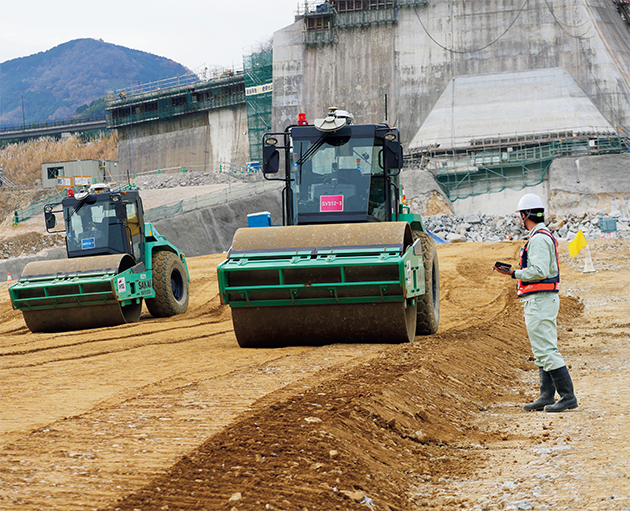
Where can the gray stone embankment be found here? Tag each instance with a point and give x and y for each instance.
(187, 179)
(491, 228)
(210, 230)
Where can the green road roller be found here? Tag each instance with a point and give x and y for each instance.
(115, 261)
(350, 263)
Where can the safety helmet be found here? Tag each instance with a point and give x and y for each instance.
(530, 201)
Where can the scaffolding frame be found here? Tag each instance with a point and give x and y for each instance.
(258, 70)
(322, 19)
(493, 164)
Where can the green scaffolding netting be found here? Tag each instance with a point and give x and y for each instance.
(36, 208)
(258, 70)
(493, 179)
(490, 171)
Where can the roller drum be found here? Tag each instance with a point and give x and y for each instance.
(323, 235)
(275, 326)
(317, 325)
(60, 318)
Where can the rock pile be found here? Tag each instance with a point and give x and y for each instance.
(491, 228)
(29, 243)
(172, 180)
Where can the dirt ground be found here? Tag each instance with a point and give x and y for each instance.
(170, 414)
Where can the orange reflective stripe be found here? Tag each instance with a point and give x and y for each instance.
(537, 287)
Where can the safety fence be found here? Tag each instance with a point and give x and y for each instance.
(244, 181)
(36, 208)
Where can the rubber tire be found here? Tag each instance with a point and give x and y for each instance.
(429, 303)
(170, 283)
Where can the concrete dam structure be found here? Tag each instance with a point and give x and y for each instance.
(486, 94)
(182, 122)
(414, 52)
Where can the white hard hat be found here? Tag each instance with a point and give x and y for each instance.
(530, 201)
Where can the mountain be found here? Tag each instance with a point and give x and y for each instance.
(76, 74)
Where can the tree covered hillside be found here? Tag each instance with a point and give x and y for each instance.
(73, 75)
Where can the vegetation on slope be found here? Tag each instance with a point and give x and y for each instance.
(22, 161)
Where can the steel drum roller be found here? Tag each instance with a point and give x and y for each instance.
(66, 312)
(325, 235)
(324, 324)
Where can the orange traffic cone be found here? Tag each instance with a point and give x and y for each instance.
(9, 277)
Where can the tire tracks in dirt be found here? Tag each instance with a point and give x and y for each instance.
(83, 433)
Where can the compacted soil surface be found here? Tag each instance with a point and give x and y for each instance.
(170, 414)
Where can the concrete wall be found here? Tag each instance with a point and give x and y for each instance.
(599, 182)
(210, 230)
(500, 203)
(197, 141)
(413, 60)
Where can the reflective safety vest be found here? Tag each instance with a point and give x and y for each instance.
(550, 285)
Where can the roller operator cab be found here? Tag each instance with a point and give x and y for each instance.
(115, 262)
(344, 175)
(350, 263)
(101, 222)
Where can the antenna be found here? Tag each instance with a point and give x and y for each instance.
(385, 108)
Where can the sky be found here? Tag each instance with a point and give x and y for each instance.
(194, 33)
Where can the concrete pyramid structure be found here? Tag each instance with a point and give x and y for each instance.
(507, 104)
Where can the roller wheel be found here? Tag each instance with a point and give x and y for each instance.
(429, 304)
(92, 313)
(315, 325)
(318, 325)
(170, 284)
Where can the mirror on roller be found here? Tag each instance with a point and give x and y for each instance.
(271, 159)
(392, 155)
(50, 219)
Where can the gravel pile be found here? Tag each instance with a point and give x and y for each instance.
(172, 180)
(491, 228)
(29, 243)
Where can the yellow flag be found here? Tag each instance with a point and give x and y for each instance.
(578, 243)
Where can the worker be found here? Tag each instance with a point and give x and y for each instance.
(85, 215)
(538, 286)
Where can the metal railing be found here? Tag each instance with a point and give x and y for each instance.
(509, 139)
(52, 124)
(201, 74)
(514, 162)
(357, 18)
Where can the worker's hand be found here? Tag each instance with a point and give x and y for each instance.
(503, 271)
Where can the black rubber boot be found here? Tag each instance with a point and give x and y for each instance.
(564, 386)
(547, 393)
